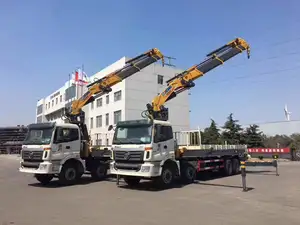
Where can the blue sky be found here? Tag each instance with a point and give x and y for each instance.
(41, 42)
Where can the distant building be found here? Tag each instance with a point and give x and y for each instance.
(126, 101)
(280, 127)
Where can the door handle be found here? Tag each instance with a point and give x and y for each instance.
(68, 147)
(165, 147)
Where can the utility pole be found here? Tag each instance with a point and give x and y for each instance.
(169, 63)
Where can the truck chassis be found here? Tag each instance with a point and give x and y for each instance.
(189, 164)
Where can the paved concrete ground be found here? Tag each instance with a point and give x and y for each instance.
(274, 200)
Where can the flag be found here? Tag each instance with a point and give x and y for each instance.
(81, 77)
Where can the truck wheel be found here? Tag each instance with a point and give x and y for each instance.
(68, 174)
(166, 178)
(132, 181)
(236, 166)
(188, 173)
(228, 167)
(99, 171)
(44, 179)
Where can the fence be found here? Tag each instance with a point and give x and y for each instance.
(11, 139)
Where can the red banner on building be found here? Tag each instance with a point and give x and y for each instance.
(269, 150)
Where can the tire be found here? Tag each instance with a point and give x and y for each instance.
(99, 171)
(132, 181)
(188, 173)
(69, 174)
(44, 179)
(236, 166)
(228, 167)
(166, 178)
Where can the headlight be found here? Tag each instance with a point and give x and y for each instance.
(42, 167)
(111, 165)
(145, 169)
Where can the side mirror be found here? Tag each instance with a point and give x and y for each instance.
(110, 127)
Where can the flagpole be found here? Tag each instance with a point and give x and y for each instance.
(69, 80)
(82, 69)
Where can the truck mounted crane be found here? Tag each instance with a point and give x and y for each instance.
(148, 148)
(64, 150)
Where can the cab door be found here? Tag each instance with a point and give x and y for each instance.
(66, 142)
(163, 143)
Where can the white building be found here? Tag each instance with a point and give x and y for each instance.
(126, 101)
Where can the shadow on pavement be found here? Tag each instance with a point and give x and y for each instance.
(262, 172)
(146, 185)
(83, 181)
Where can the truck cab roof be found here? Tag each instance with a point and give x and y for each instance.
(51, 125)
(143, 121)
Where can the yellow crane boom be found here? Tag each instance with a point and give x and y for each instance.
(184, 80)
(103, 85)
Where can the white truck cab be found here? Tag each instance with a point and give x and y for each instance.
(54, 150)
(144, 149)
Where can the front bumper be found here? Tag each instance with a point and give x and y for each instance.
(147, 170)
(44, 168)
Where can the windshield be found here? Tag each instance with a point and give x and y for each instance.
(134, 134)
(38, 136)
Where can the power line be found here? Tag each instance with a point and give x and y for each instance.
(256, 75)
(266, 59)
(271, 122)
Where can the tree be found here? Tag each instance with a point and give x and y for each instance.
(254, 137)
(232, 133)
(211, 134)
(277, 141)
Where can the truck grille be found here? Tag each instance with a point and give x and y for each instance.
(128, 156)
(32, 156)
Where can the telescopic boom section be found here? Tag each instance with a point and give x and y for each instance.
(184, 80)
(103, 85)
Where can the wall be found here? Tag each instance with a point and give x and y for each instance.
(280, 127)
(40, 111)
(92, 110)
(53, 105)
(143, 87)
(137, 91)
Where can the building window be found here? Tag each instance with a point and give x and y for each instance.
(99, 142)
(39, 119)
(106, 119)
(56, 101)
(48, 105)
(107, 99)
(60, 98)
(117, 116)
(52, 102)
(92, 105)
(92, 123)
(99, 102)
(70, 92)
(117, 95)
(39, 109)
(98, 121)
(160, 79)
